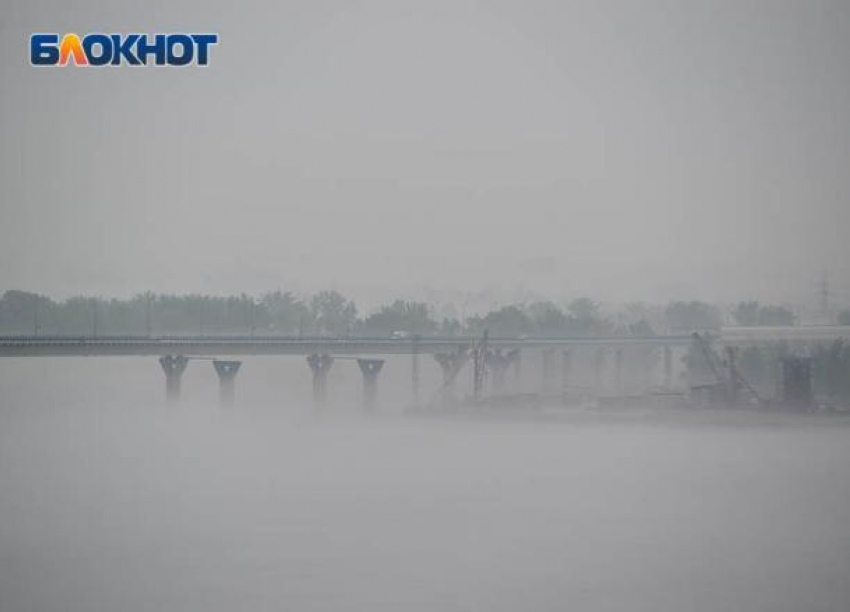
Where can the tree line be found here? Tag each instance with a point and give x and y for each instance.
(329, 313)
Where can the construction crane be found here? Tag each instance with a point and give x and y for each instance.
(726, 374)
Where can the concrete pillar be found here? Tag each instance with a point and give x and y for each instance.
(414, 373)
(647, 356)
(450, 364)
(480, 356)
(566, 368)
(598, 366)
(320, 365)
(797, 382)
(668, 368)
(446, 361)
(518, 369)
(370, 369)
(618, 371)
(226, 371)
(731, 375)
(547, 366)
(479, 362)
(173, 366)
(499, 363)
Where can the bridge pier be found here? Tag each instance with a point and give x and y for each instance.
(618, 372)
(547, 358)
(450, 364)
(226, 371)
(513, 357)
(732, 375)
(797, 382)
(499, 363)
(566, 369)
(598, 366)
(518, 370)
(370, 369)
(320, 365)
(173, 366)
(668, 368)
(648, 371)
(414, 370)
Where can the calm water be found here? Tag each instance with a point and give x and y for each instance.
(110, 501)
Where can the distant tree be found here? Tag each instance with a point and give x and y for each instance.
(450, 327)
(78, 316)
(411, 317)
(752, 313)
(747, 313)
(332, 313)
(844, 317)
(21, 312)
(548, 319)
(286, 314)
(692, 316)
(586, 318)
(585, 312)
(640, 328)
(507, 321)
(640, 319)
(775, 315)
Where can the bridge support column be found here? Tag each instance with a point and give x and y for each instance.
(450, 364)
(732, 375)
(414, 370)
(499, 363)
(173, 366)
(598, 366)
(370, 369)
(517, 369)
(513, 357)
(797, 382)
(646, 361)
(668, 368)
(320, 365)
(618, 371)
(226, 371)
(566, 369)
(548, 361)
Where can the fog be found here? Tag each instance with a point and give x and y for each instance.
(490, 169)
(112, 500)
(650, 151)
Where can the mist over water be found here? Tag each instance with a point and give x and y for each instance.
(113, 501)
(498, 176)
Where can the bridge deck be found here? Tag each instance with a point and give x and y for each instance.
(219, 345)
(36, 346)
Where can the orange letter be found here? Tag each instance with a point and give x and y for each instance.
(71, 46)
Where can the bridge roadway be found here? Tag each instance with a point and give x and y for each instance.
(220, 345)
(232, 345)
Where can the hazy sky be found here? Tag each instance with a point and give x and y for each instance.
(633, 150)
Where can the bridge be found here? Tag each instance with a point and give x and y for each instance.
(45, 346)
(450, 352)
